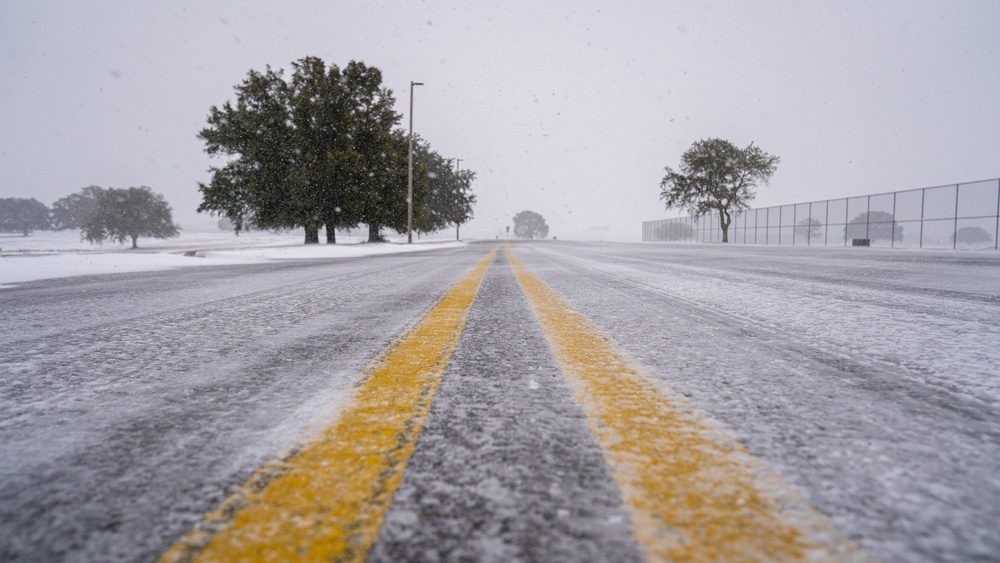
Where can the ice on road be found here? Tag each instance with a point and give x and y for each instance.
(132, 404)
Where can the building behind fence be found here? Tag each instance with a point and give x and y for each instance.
(953, 216)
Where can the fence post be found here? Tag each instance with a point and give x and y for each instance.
(954, 230)
(795, 219)
(868, 219)
(779, 225)
(809, 235)
(847, 213)
(892, 236)
(826, 225)
(923, 198)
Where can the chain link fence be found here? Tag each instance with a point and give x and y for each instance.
(954, 216)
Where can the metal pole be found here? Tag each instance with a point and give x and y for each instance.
(847, 214)
(809, 226)
(458, 162)
(892, 237)
(996, 236)
(795, 220)
(826, 225)
(409, 179)
(868, 219)
(954, 230)
(780, 214)
(756, 224)
(923, 197)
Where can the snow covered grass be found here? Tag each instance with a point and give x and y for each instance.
(46, 255)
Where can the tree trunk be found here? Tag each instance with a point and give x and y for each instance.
(374, 233)
(134, 239)
(331, 232)
(312, 234)
(724, 220)
(457, 225)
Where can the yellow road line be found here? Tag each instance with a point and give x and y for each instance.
(694, 493)
(326, 502)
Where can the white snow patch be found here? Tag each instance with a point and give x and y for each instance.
(48, 255)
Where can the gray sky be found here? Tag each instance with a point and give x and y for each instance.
(570, 109)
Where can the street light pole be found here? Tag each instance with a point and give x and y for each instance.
(409, 181)
(458, 169)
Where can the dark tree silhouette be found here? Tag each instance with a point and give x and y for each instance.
(809, 229)
(972, 236)
(874, 225)
(129, 214)
(528, 224)
(21, 215)
(717, 176)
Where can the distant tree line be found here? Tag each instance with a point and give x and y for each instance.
(98, 213)
(320, 148)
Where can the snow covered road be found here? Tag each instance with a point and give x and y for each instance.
(869, 379)
(131, 405)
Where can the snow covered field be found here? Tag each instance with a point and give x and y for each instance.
(59, 254)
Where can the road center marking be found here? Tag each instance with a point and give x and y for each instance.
(694, 492)
(326, 502)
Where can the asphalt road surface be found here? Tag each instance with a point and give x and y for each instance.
(545, 401)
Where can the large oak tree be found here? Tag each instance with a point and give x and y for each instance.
(528, 224)
(312, 150)
(717, 176)
(22, 215)
(127, 214)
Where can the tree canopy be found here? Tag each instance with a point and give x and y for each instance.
(972, 236)
(809, 229)
(21, 215)
(717, 176)
(874, 225)
(72, 211)
(450, 198)
(316, 149)
(124, 214)
(528, 224)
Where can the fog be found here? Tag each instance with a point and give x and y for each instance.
(570, 109)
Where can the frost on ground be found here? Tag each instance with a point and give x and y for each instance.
(866, 377)
(130, 404)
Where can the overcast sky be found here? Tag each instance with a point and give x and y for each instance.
(570, 109)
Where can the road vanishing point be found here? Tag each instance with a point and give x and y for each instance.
(521, 401)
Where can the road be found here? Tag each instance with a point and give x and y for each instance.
(546, 401)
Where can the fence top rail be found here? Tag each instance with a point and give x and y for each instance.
(956, 185)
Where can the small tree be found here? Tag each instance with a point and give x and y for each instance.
(72, 211)
(874, 225)
(528, 224)
(717, 176)
(972, 236)
(20, 215)
(809, 229)
(129, 214)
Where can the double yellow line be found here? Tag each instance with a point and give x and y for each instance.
(694, 493)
